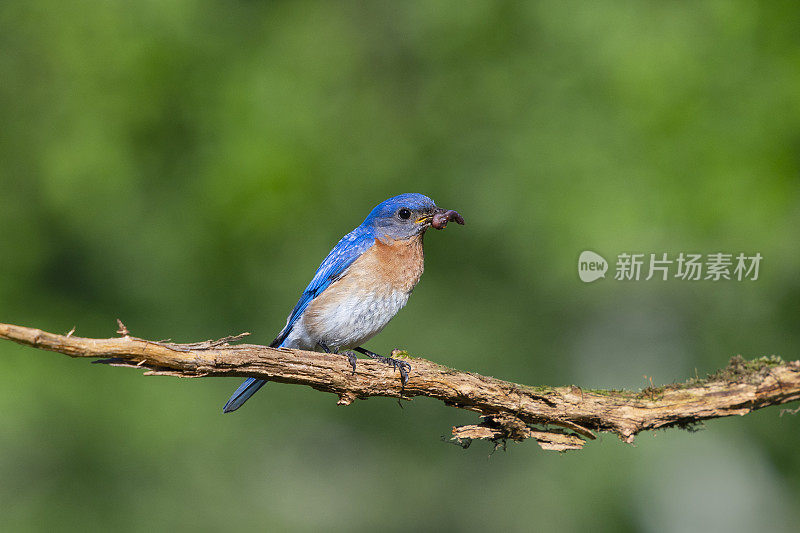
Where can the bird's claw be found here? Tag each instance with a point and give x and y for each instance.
(397, 364)
(402, 366)
(405, 368)
(351, 358)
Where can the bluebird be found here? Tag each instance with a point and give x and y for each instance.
(365, 280)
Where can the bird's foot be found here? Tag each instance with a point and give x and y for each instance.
(352, 358)
(397, 364)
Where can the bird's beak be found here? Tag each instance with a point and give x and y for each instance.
(440, 217)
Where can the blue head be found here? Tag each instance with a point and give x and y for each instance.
(406, 215)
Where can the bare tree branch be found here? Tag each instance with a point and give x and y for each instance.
(508, 410)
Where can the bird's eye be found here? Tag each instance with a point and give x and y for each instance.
(404, 213)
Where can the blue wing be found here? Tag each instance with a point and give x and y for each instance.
(347, 250)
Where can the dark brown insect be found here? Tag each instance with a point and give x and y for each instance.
(441, 218)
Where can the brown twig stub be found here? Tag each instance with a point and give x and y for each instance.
(121, 329)
(508, 409)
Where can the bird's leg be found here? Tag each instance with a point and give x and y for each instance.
(402, 366)
(351, 357)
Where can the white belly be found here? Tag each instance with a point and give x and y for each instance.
(349, 322)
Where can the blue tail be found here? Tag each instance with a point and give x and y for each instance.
(243, 393)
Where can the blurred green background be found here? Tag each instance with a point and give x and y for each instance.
(185, 166)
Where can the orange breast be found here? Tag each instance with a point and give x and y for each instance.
(399, 263)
